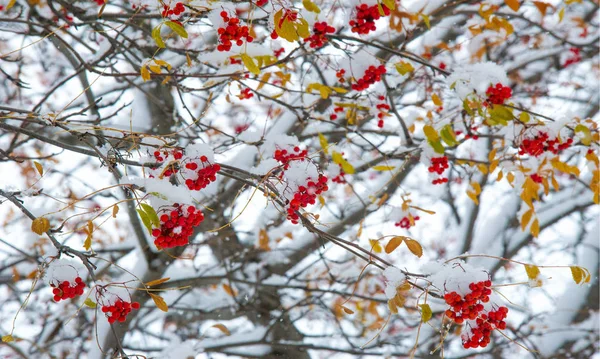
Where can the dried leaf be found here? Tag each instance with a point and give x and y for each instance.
(159, 302)
(40, 225)
(532, 271)
(227, 288)
(347, 310)
(393, 244)
(513, 4)
(222, 328)
(263, 240)
(38, 167)
(157, 281)
(115, 210)
(414, 247)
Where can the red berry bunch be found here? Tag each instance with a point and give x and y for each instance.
(340, 178)
(497, 95)
(537, 178)
(371, 76)
(261, 2)
(542, 143)
(119, 310)
(382, 109)
(99, 2)
(318, 38)
(232, 32)
(484, 325)
(306, 195)
(167, 11)
(574, 58)
(365, 18)
(279, 52)
(245, 94)
(405, 222)
(438, 165)
(241, 128)
(161, 156)
(336, 110)
(205, 171)
(176, 226)
(340, 75)
(284, 156)
(67, 290)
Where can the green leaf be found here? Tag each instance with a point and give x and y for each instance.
(90, 303)
(157, 38)
(426, 312)
(437, 146)
(448, 135)
(145, 220)
(500, 115)
(177, 28)
(151, 214)
(159, 195)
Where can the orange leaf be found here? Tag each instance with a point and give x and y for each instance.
(393, 244)
(157, 281)
(513, 4)
(40, 225)
(159, 302)
(414, 247)
(347, 310)
(222, 328)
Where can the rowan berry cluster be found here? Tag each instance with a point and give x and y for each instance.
(304, 196)
(438, 165)
(119, 310)
(372, 75)
(542, 143)
(319, 38)
(470, 307)
(176, 226)
(205, 173)
(241, 128)
(99, 2)
(574, 58)
(245, 94)
(261, 2)
(232, 32)
(67, 290)
(336, 110)
(340, 177)
(405, 222)
(382, 109)
(340, 75)
(497, 95)
(167, 11)
(285, 156)
(366, 16)
(537, 178)
(161, 156)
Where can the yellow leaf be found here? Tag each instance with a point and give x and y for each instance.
(535, 228)
(177, 28)
(38, 167)
(87, 244)
(311, 6)
(524, 117)
(339, 89)
(40, 225)
(532, 271)
(404, 67)
(145, 73)
(473, 197)
(525, 219)
(115, 210)
(375, 245)
(10, 4)
(426, 20)
(393, 244)
(346, 167)
(229, 290)
(390, 4)
(222, 328)
(324, 144)
(159, 302)
(586, 135)
(426, 312)
(249, 63)
(430, 133)
(492, 154)
(414, 247)
(392, 306)
(436, 100)
(157, 281)
(476, 187)
(263, 240)
(155, 69)
(577, 274)
(7, 338)
(561, 15)
(513, 4)
(510, 177)
(90, 303)
(347, 310)
(383, 168)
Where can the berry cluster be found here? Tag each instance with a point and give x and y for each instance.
(65, 290)
(366, 16)
(284, 156)
(405, 222)
(438, 165)
(319, 38)
(232, 32)
(336, 110)
(279, 52)
(382, 109)
(537, 178)
(497, 95)
(470, 307)
(371, 76)
(119, 310)
(99, 2)
(176, 226)
(160, 157)
(245, 94)
(241, 128)
(574, 58)
(306, 195)
(205, 172)
(167, 11)
(542, 143)
(261, 2)
(340, 75)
